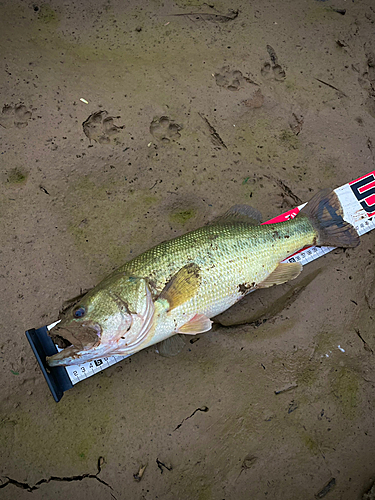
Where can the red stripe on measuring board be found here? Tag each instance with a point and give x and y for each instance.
(290, 214)
(358, 201)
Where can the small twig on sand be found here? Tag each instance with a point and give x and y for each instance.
(331, 86)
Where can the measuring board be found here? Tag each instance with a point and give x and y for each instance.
(358, 201)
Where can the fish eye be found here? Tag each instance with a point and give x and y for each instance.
(79, 312)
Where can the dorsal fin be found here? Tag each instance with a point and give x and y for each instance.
(240, 213)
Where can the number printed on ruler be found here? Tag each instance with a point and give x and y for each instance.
(77, 373)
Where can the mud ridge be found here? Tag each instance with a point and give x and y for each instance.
(215, 137)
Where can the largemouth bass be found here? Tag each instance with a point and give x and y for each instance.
(178, 285)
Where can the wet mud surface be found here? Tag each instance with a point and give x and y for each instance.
(125, 125)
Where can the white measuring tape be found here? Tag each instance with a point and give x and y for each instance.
(77, 373)
(358, 201)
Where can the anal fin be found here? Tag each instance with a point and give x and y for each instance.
(199, 324)
(284, 272)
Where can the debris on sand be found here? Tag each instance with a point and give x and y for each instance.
(326, 488)
(212, 17)
(163, 466)
(138, 475)
(287, 388)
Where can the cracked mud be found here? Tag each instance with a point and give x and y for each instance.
(203, 409)
(30, 488)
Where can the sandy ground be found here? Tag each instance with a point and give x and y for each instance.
(264, 107)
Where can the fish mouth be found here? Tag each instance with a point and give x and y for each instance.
(85, 342)
(78, 344)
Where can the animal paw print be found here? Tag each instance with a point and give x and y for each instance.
(230, 79)
(15, 116)
(275, 72)
(100, 127)
(164, 129)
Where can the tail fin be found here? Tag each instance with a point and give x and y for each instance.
(325, 213)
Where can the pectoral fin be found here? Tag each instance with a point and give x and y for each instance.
(182, 286)
(171, 346)
(199, 324)
(284, 272)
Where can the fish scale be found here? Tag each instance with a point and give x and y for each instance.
(228, 255)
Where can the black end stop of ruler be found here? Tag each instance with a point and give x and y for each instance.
(42, 345)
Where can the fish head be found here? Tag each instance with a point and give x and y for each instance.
(111, 319)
